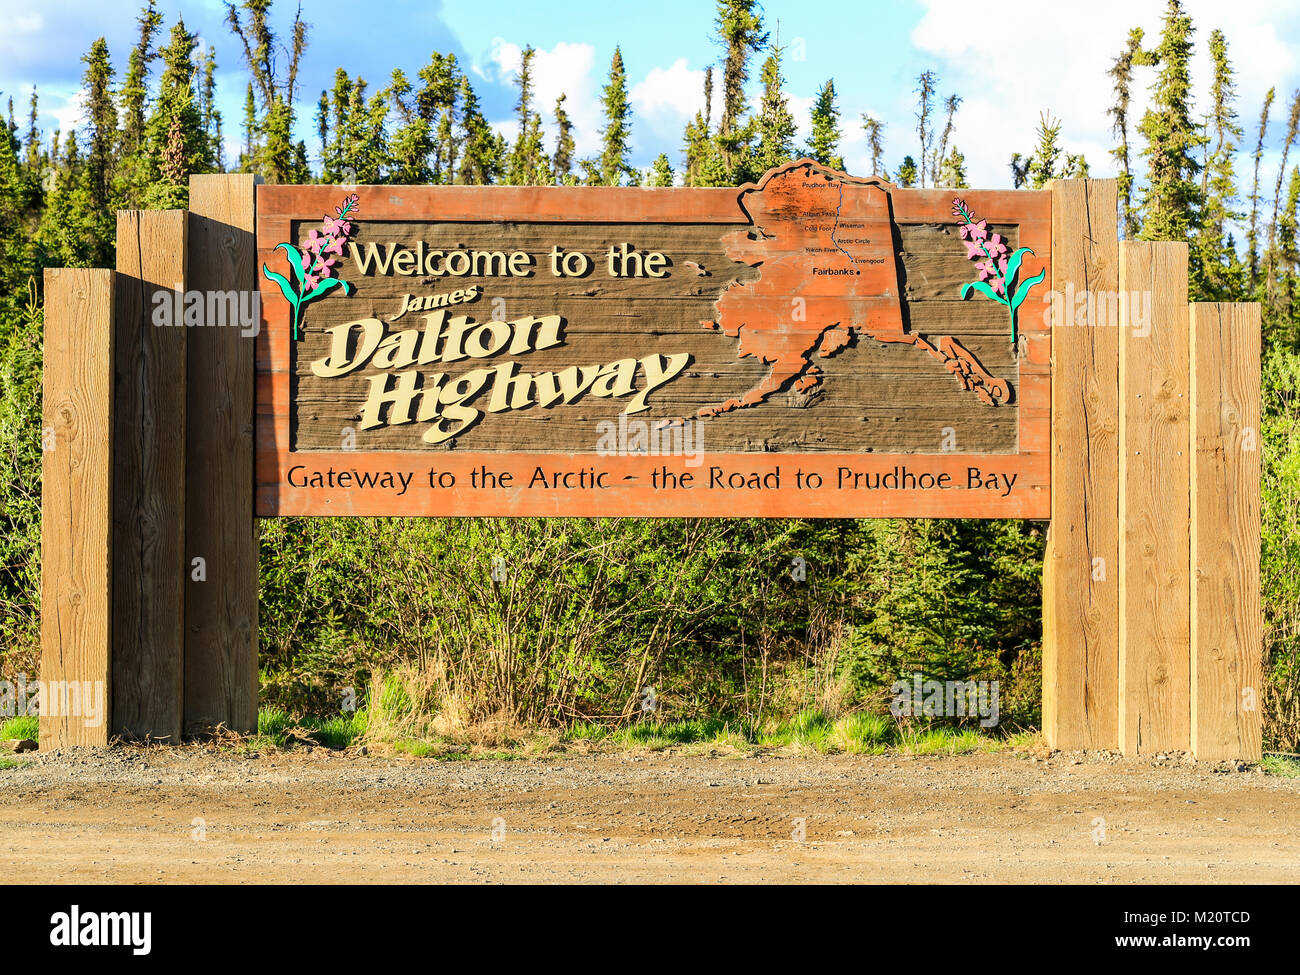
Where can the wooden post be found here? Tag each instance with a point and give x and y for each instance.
(149, 474)
(76, 508)
(221, 592)
(1081, 567)
(1154, 507)
(1226, 632)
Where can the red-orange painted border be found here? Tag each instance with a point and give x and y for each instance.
(279, 206)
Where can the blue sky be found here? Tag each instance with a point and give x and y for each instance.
(1045, 57)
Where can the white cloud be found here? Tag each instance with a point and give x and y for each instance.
(801, 108)
(566, 69)
(1052, 61)
(667, 99)
(70, 114)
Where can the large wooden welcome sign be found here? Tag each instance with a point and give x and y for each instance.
(810, 345)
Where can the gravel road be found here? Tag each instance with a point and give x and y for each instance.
(196, 815)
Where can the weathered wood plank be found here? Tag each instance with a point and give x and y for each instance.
(76, 508)
(1081, 567)
(1226, 634)
(618, 204)
(1154, 434)
(221, 605)
(601, 314)
(149, 478)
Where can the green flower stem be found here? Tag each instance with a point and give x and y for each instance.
(315, 260)
(1006, 285)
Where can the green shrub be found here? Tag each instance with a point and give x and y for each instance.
(1280, 549)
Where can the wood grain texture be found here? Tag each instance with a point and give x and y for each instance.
(76, 506)
(1154, 434)
(608, 319)
(873, 396)
(1226, 625)
(149, 478)
(221, 611)
(1081, 566)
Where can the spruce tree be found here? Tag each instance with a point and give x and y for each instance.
(661, 173)
(1122, 72)
(907, 174)
(412, 144)
(101, 141)
(359, 151)
(740, 30)
(1048, 161)
(1214, 263)
(273, 68)
(1292, 128)
(17, 208)
(323, 127)
(940, 155)
(68, 234)
(1171, 202)
(698, 139)
(438, 101)
(135, 91)
(482, 158)
(528, 165)
(1044, 162)
(1252, 232)
(100, 114)
(613, 164)
(1281, 311)
(952, 174)
(247, 158)
(926, 83)
(212, 114)
(774, 126)
(175, 142)
(562, 160)
(874, 129)
(32, 157)
(824, 139)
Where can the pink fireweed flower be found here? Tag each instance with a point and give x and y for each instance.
(993, 258)
(313, 264)
(317, 264)
(313, 261)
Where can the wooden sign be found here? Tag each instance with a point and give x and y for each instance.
(810, 345)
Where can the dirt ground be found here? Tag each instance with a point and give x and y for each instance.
(190, 815)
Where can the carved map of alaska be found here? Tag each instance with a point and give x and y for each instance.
(822, 249)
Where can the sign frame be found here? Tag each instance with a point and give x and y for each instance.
(630, 491)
